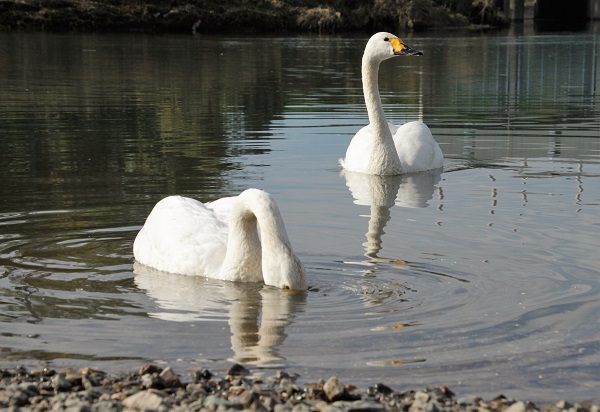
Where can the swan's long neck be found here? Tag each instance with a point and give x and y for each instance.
(267, 258)
(243, 258)
(384, 158)
(272, 229)
(370, 80)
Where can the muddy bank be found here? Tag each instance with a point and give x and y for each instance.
(245, 16)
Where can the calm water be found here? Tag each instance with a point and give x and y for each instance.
(484, 278)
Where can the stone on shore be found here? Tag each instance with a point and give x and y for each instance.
(144, 400)
(153, 388)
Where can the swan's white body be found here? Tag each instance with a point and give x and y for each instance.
(382, 148)
(220, 240)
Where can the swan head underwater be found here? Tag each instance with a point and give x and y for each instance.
(382, 46)
(221, 240)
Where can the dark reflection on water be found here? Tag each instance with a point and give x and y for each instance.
(132, 111)
(483, 277)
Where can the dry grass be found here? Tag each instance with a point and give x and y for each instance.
(245, 15)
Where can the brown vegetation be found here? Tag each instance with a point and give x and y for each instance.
(245, 15)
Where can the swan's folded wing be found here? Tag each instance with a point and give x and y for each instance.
(222, 207)
(416, 147)
(358, 152)
(182, 235)
(393, 128)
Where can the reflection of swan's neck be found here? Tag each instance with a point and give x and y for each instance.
(246, 258)
(384, 158)
(383, 190)
(257, 315)
(380, 215)
(258, 325)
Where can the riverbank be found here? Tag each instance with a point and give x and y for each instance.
(153, 388)
(244, 16)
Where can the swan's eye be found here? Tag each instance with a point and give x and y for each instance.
(386, 39)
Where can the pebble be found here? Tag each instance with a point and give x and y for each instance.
(334, 390)
(147, 399)
(153, 388)
(518, 406)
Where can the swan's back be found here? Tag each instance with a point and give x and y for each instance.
(416, 147)
(182, 235)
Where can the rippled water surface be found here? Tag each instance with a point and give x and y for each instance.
(484, 277)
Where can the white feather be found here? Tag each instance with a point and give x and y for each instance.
(381, 148)
(220, 240)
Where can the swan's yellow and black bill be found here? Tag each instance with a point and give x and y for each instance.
(401, 49)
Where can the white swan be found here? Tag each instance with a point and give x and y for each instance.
(381, 148)
(220, 240)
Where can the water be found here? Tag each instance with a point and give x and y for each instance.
(484, 278)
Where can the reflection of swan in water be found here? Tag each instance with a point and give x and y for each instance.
(258, 314)
(220, 240)
(381, 148)
(382, 192)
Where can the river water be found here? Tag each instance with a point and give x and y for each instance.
(484, 277)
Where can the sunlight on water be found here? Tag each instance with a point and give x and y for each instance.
(483, 277)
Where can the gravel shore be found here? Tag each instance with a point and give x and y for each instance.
(153, 388)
